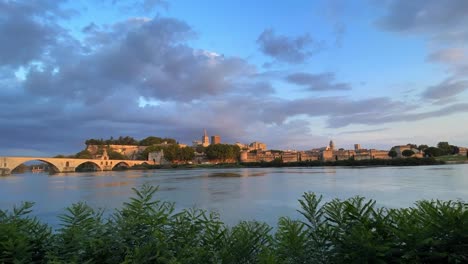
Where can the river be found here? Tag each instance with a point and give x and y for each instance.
(263, 194)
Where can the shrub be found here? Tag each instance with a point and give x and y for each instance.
(146, 230)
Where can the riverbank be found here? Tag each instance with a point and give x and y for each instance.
(315, 163)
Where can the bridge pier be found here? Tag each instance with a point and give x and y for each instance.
(5, 171)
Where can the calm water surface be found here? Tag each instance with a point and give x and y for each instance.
(237, 194)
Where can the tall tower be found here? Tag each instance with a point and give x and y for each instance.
(205, 139)
(332, 145)
(216, 139)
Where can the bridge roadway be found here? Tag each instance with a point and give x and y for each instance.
(8, 164)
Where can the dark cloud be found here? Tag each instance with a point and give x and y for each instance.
(317, 82)
(438, 19)
(287, 49)
(446, 89)
(27, 30)
(443, 24)
(396, 116)
(363, 131)
(148, 55)
(141, 5)
(141, 77)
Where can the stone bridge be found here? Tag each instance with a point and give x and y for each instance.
(8, 164)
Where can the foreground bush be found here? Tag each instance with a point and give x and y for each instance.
(150, 231)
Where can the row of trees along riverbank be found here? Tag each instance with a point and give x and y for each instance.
(146, 230)
(442, 149)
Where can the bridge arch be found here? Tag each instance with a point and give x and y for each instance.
(53, 166)
(117, 163)
(96, 163)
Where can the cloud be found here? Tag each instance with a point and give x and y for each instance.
(150, 56)
(27, 30)
(317, 82)
(440, 20)
(446, 89)
(443, 24)
(334, 14)
(287, 49)
(73, 89)
(447, 56)
(142, 5)
(396, 116)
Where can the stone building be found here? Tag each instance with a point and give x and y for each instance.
(216, 139)
(205, 139)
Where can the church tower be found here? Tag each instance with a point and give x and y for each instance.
(332, 145)
(205, 139)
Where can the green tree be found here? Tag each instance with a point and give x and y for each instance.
(445, 148)
(114, 155)
(186, 154)
(412, 145)
(392, 153)
(200, 149)
(433, 152)
(84, 154)
(222, 152)
(150, 141)
(171, 152)
(407, 153)
(422, 147)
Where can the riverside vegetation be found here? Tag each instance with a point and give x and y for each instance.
(147, 230)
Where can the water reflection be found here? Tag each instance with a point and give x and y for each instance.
(237, 194)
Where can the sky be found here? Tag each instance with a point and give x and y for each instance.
(292, 74)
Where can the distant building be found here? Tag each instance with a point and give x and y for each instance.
(215, 139)
(332, 145)
(242, 146)
(205, 139)
(399, 150)
(462, 151)
(257, 146)
(196, 143)
(357, 147)
(157, 158)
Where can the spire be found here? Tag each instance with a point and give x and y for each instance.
(332, 145)
(204, 132)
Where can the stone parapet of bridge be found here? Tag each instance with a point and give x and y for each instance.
(8, 164)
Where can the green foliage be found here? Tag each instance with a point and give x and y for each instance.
(447, 149)
(23, 239)
(392, 153)
(222, 152)
(114, 155)
(407, 153)
(186, 154)
(147, 230)
(84, 154)
(422, 147)
(171, 152)
(433, 152)
(151, 140)
(156, 140)
(119, 141)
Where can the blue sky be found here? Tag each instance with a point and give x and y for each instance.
(292, 74)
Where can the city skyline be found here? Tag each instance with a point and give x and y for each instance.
(291, 75)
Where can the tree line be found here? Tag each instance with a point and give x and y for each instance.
(443, 148)
(127, 140)
(172, 152)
